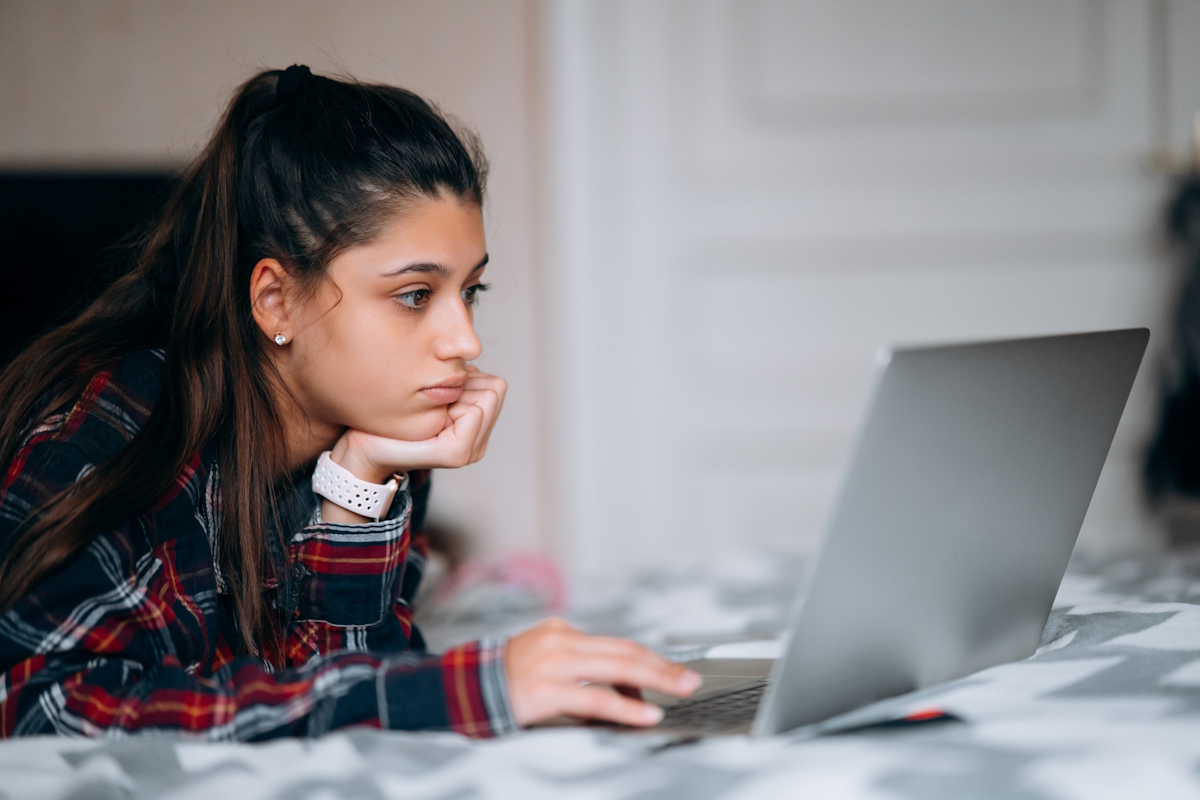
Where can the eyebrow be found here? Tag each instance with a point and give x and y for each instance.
(429, 267)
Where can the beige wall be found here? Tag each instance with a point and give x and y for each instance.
(139, 83)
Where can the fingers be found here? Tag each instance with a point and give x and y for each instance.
(480, 382)
(603, 659)
(594, 702)
(489, 401)
(547, 664)
(641, 672)
(620, 661)
(645, 669)
(453, 447)
(456, 410)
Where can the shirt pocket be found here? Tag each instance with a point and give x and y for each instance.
(347, 575)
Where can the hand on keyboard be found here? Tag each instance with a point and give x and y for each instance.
(549, 665)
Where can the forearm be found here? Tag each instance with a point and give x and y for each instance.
(243, 701)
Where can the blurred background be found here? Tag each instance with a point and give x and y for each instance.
(705, 217)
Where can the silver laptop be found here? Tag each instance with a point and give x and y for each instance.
(959, 510)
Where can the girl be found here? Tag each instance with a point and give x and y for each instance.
(215, 477)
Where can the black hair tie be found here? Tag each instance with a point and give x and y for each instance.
(287, 88)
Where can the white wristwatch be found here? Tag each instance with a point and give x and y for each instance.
(339, 486)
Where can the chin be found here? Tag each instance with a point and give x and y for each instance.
(414, 428)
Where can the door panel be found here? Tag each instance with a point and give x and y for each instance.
(749, 198)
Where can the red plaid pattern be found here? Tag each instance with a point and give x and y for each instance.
(138, 633)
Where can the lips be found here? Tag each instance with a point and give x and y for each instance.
(447, 392)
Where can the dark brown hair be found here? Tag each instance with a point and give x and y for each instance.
(298, 178)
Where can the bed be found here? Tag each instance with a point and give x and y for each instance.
(1109, 706)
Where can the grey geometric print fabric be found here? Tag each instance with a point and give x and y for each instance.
(1108, 707)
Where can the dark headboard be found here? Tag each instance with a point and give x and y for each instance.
(58, 230)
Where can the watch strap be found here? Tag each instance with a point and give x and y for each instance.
(340, 486)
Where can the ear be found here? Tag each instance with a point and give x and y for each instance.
(269, 295)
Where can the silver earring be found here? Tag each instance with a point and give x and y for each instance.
(280, 338)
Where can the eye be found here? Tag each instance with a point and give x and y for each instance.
(414, 299)
(470, 295)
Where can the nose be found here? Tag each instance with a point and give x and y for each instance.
(455, 337)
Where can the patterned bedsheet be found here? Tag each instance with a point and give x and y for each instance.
(1108, 707)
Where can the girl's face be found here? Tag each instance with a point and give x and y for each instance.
(383, 345)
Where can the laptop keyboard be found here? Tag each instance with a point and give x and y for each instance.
(716, 712)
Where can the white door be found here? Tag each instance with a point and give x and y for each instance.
(747, 199)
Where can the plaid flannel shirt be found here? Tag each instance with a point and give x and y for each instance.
(138, 632)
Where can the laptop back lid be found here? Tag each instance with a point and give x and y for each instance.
(961, 505)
